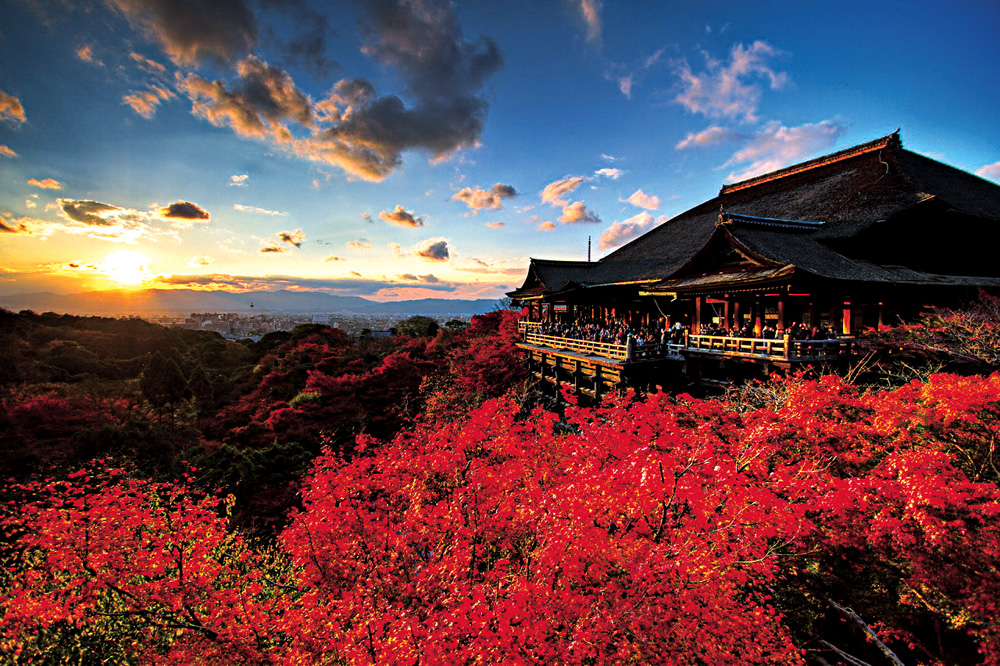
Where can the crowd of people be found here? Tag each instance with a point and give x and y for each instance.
(618, 332)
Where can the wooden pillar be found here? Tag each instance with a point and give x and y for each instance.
(781, 312)
(570, 313)
(550, 312)
(737, 318)
(696, 324)
(758, 316)
(726, 322)
(848, 319)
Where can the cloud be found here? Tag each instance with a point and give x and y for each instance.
(425, 279)
(238, 180)
(991, 171)
(625, 85)
(270, 247)
(613, 174)
(16, 225)
(258, 105)
(360, 244)
(147, 65)
(590, 10)
(193, 32)
(621, 232)
(101, 221)
(11, 108)
(88, 212)
(433, 250)
(356, 286)
(30, 203)
(7, 152)
(494, 225)
(259, 211)
(145, 102)
(367, 217)
(553, 192)
(195, 262)
(733, 89)
(296, 238)
(643, 200)
(546, 226)
(86, 54)
(401, 217)
(707, 137)
(334, 258)
(576, 212)
(778, 146)
(184, 210)
(45, 184)
(478, 199)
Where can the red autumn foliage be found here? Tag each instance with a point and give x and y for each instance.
(657, 531)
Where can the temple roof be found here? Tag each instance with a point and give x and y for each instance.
(873, 212)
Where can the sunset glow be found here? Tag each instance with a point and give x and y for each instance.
(399, 150)
(126, 268)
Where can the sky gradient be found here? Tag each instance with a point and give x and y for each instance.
(397, 150)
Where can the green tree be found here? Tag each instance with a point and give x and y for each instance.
(162, 383)
(418, 327)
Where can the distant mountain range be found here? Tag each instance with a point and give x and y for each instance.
(185, 301)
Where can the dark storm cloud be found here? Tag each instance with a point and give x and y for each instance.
(184, 210)
(192, 31)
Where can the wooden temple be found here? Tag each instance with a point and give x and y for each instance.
(861, 238)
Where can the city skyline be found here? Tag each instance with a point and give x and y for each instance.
(403, 150)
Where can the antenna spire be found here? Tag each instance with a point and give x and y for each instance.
(588, 249)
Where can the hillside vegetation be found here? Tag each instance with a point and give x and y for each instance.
(315, 499)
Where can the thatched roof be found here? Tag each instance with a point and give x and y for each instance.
(887, 214)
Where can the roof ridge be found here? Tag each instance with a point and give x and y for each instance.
(772, 222)
(891, 140)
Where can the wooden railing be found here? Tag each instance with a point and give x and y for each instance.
(779, 349)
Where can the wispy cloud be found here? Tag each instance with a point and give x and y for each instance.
(239, 180)
(196, 262)
(620, 233)
(86, 54)
(45, 183)
(730, 89)
(707, 137)
(145, 102)
(590, 11)
(991, 171)
(608, 172)
(282, 241)
(360, 244)
(553, 192)
(259, 211)
(11, 108)
(494, 225)
(478, 199)
(401, 218)
(778, 146)
(353, 286)
(7, 152)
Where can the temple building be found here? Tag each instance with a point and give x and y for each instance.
(861, 238)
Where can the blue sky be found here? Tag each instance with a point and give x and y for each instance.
(396, 149)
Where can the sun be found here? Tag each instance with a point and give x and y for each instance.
(126, 268)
